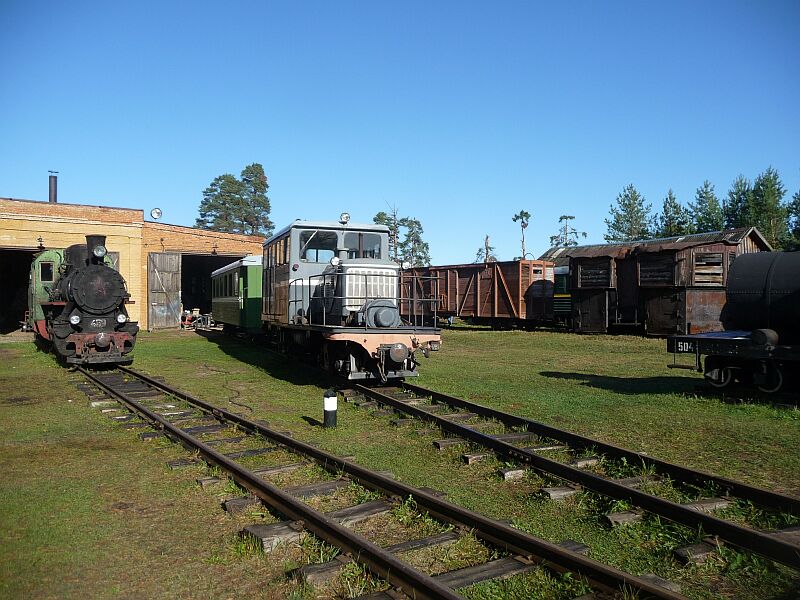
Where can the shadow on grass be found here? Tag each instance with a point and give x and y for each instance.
(630, 385)
(256, 352)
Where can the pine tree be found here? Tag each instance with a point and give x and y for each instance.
(706, 210)
(793, 210)
(237, 205)
(393, 223)
(255, 203)
(567, 235)
(523, 217)
(765, 208)
(674, 218)
(737, 207)
(486, 253)
(413, 248)
(630, 218)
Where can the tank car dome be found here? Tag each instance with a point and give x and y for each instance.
(97, 289)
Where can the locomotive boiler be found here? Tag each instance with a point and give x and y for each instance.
(761, 322)
(76, 304)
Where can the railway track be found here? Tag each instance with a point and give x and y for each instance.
(147, 403)
(465, 421)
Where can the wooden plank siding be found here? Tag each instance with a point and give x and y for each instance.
(488, 291)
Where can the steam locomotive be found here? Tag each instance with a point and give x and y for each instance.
(761, 321)
(76, 304)
(331, 291)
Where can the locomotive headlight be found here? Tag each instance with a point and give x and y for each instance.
(121, 318)
(75, 319)
(335, 261)
(99, 251)
(398, 352)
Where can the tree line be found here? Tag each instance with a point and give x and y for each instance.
(759, 203)
(241, 205)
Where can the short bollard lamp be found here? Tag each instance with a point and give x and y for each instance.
(329, 405)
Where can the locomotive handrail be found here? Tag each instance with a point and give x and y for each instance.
(314, 287)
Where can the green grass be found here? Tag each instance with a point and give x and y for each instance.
(614, 388)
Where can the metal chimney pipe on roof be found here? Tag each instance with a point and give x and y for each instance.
(53, 197)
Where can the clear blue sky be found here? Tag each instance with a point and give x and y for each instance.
(458, 113)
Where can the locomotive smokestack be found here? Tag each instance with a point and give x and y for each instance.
(92, 242)
(53, 197)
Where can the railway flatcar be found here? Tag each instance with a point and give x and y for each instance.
(761, 325)
(236, 295)
(76, 305)
(331, 291)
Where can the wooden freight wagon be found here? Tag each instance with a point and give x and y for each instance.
(510, 293)
(659, 286)
(682, 280)
(601, 290)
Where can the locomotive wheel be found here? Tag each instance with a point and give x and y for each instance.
(775, 384)
(720, 377)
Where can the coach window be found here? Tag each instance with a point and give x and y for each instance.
(235, 284)
(285, 251)
(46, 272)
(362, 245)
(317, 246)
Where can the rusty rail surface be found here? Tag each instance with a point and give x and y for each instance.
(599, 575)
(744, 537)
(760, 496)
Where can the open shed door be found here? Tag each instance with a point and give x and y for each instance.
(164, 290)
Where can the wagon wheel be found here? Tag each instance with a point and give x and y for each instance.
(720, 377)
(775, 384)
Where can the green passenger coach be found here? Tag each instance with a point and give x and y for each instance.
(236, 294)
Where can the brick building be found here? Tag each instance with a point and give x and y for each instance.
(165, 266)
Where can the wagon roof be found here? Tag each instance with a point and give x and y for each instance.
(622, 249)
(327, 225)
(248, 261)
(500, 263)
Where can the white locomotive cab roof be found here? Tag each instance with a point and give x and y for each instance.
(335, 225)
(248, 261)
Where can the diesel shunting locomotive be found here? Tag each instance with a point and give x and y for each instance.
(331, 292)
(76, 303)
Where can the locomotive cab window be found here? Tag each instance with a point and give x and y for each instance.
(317, 246)
(46, 272)
(362, 245)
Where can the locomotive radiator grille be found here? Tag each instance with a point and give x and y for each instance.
(362, 284)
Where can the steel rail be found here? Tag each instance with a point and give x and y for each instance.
(760, 496)
(744, 537)
(518, 542)
(384, 564)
